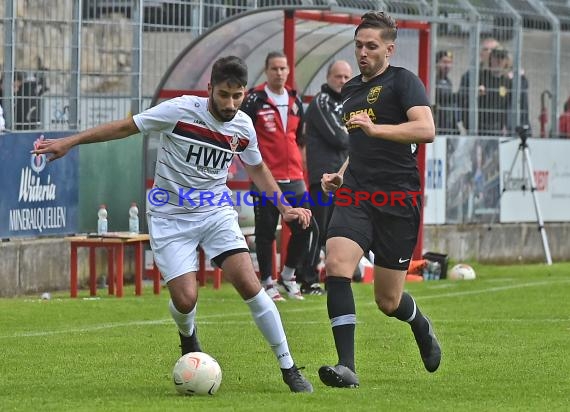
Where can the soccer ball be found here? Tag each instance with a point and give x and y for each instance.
(197, 373)
(461, 271)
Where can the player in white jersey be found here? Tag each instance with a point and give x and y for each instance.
(194, 156)
(200, 138)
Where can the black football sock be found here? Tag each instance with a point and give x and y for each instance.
(342, 313)
(409, 312)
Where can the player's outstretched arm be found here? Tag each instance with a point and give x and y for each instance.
(117, 129)
(264, 180)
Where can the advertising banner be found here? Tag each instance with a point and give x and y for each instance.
(38, 198)
(551, 166)
(472, 186)
(435, 181)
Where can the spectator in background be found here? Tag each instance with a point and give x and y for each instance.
(564, 121)
(487, 45)
(27, 102)
(327, 149)
(277, 114)
(16, 87)
(445, 99)
(495, 95)
(524, 115)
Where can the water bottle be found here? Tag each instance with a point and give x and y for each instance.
(102, 220)
(436, 270)
(425, 271)
(134, 218)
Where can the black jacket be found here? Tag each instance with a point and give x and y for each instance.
(325, 134)
(446, 106)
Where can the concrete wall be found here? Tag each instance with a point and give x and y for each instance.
(33, 266)
(500, 243)
(29, 267)
(36, 266)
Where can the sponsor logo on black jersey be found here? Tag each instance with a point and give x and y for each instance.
(369, 111)
(373, 94)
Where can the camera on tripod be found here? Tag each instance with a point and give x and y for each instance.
(527, 172)
(523, 131)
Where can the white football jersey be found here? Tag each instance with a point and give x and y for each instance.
(194, 156)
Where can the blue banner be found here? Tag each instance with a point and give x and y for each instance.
(37, 198)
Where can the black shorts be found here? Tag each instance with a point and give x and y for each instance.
(390, 233)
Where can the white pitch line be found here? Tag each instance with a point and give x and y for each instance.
(127, 324)
(505, 320)
(86, 329)
(490, 290)
(238, 314)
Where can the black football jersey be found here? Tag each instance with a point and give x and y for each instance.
(378, 164)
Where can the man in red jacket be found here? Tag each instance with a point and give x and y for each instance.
(277, 115)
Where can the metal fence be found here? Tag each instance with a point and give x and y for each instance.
(72, 64)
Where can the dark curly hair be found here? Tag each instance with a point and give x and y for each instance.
(229, 69)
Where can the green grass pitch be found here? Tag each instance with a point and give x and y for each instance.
(505, 340)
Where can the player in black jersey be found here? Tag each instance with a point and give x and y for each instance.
(387, 114)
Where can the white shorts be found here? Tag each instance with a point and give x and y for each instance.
(174, 241)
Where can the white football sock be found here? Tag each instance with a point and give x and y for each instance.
(268, 321)
(184, 321)
(287, 273)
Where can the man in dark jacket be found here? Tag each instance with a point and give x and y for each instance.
(445, 100)
(494, 95)
(487, 46)
(327, 148)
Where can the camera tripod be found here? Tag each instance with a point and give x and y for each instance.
(510, 183)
